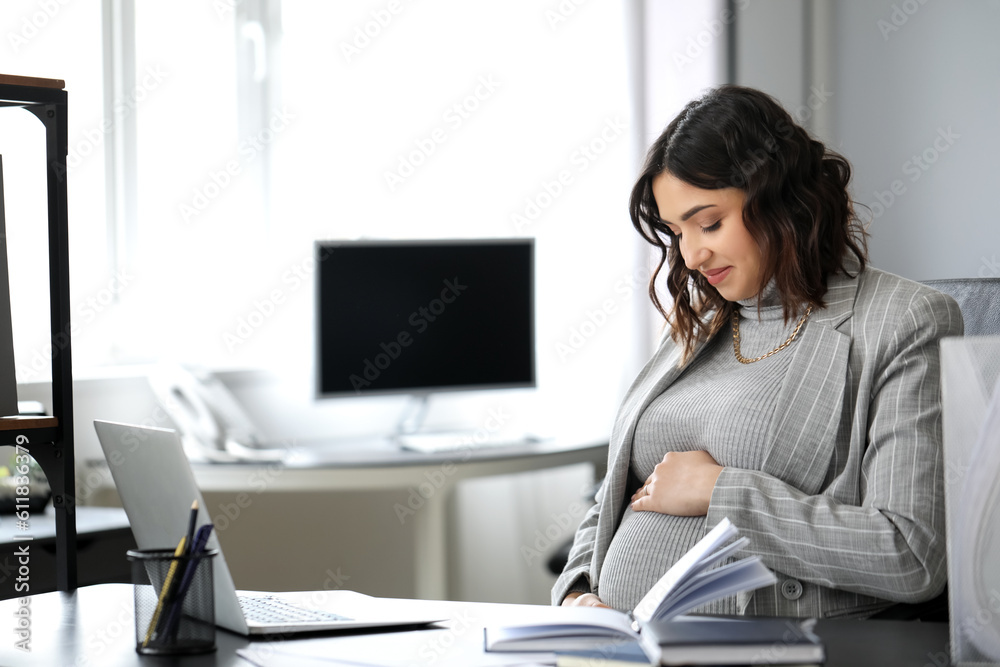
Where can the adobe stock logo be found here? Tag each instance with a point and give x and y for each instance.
(93, 138)
(597, 317)
(580, 159)
(455, 116)
(264, 308)
(990, 268)
(915, 167)
(365, 34)
(32, 25)
(420, 320)
(898, 17)
(247, 150)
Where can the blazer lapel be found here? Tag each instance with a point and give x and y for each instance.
(811, 400)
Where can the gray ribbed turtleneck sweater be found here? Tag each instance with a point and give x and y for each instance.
(718, 405)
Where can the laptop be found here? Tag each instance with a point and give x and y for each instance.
(157, 487)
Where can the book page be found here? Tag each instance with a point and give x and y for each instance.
(689, 564)
(575, 627)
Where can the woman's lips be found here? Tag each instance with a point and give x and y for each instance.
(716, 276)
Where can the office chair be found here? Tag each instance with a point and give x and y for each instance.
(979, 299)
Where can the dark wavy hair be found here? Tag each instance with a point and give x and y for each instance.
(797, 207)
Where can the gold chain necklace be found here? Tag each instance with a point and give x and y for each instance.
(736, 338)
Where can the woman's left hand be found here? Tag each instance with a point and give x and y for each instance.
(681, 484)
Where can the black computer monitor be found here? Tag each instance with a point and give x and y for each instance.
(417, 317)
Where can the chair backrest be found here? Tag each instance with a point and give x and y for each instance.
(979, 299)
(971, 418)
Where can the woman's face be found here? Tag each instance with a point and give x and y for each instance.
(713, 239)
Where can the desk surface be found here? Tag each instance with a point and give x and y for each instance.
(95, 626)
(379, 463)
(383, 451)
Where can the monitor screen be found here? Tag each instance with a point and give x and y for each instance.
(422, 316)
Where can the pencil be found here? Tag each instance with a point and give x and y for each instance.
(191, 522)
(165, 591)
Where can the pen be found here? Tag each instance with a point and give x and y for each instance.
(191, 522)
(173, 615)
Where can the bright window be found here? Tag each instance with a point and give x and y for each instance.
(380, 120)
(56, 40)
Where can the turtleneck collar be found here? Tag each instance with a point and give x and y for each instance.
(770, 304)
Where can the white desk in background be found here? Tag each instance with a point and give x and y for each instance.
(377, 464)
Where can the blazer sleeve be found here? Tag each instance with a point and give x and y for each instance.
(576, 575)
(882, 532)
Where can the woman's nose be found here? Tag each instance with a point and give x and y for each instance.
(695, 254)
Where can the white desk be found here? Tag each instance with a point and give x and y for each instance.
(378, 464)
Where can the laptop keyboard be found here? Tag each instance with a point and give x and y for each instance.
(270, 610)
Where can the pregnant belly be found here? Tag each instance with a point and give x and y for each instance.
(645, 546)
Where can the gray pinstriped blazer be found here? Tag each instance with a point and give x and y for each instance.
(848, 506)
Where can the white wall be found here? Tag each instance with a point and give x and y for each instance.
(910, 94)
(917, 105)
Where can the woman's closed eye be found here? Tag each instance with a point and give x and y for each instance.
(704, 230)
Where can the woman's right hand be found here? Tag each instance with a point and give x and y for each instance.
(583, 600)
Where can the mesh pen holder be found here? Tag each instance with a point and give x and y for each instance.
(174, 602)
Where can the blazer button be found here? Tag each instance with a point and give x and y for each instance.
(791, 589)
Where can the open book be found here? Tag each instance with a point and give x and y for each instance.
(693, 580)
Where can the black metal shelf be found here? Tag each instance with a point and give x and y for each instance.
(35, 429)
(50, 443)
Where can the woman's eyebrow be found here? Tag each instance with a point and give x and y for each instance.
(691, 211)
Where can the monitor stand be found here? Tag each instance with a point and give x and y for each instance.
(413, 416)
